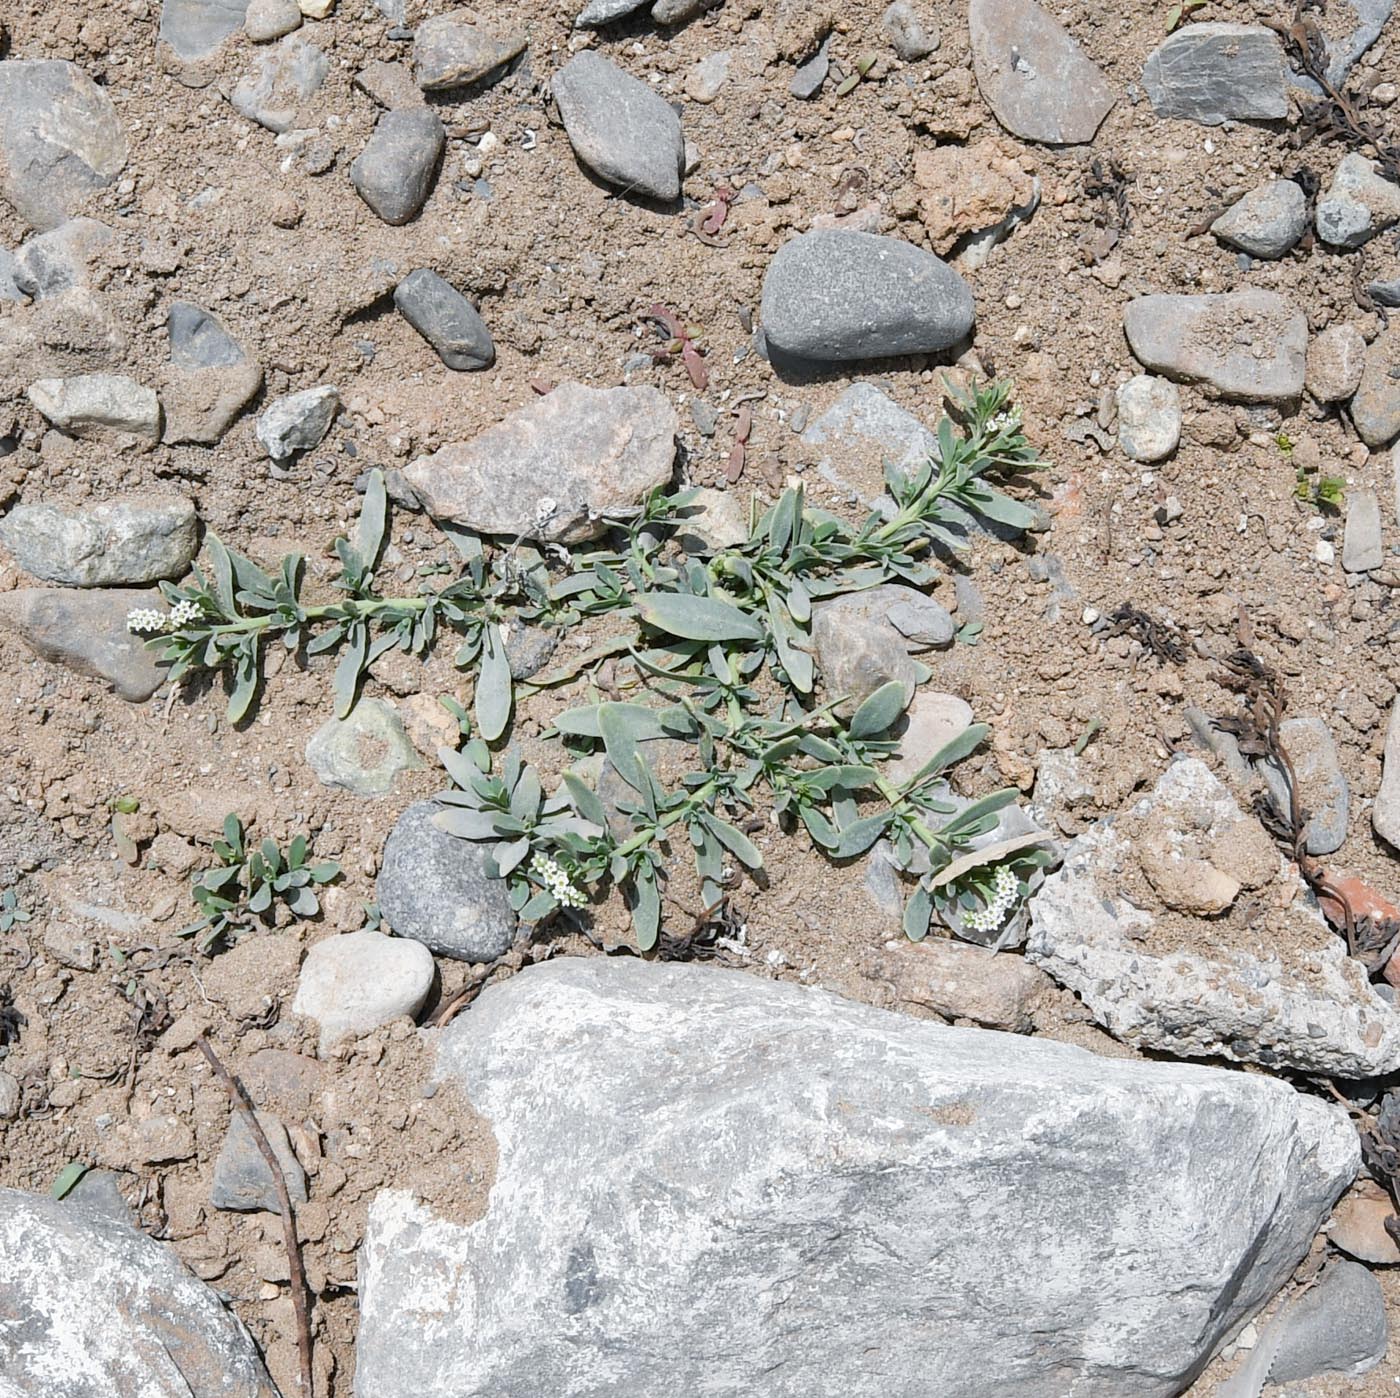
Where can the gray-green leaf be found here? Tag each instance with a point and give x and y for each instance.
(493, 686)
(878, 712)
(697, 618)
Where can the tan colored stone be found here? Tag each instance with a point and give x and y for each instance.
(965, 189)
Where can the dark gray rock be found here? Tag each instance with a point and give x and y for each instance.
(529, 649)
(621, 129)
(1359, 203)
(99, 1193)
(911, 35)
(280, 81)
(445, 319)
(1267, 222)
(448, 52)
(1322, 788)
(394, 173)
(1034, 76)
(87, 632)
(1215, 72)
(822, 1159)
(195, 28)
(210, 380)
(1249, 345)
(808, 79)
(1376, 407)
(140, 539)
(835, 295)
(242, 1181)
(1348, 28)
(93, 1308)
(435, 889)
(673, 12)
(60, 139)
(198, 339)
(60, 259)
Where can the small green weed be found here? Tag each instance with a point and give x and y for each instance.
(12, 911)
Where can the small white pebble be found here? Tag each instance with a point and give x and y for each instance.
(1324, 552)
(1091, 615)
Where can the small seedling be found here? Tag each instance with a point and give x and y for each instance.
(247, 884)
(1182, 11)
(12, 912)
(680, 339)
(1327, 493)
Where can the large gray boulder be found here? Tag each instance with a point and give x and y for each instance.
(137, 540)
(710, 1183)
(92, 1308)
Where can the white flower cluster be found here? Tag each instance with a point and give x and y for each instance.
(988, 919)
(1008, 417)
(156, 623)
(551, 873)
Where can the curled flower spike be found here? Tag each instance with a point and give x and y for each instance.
(1004, 888)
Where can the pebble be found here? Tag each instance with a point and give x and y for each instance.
(394, 173)
(673, 12)
(159, 1140)
(554, 468)
(1359, 203)
(705, 79)
(389, 84)
(717, 517)
(1336, 1327)
(210, 380)
(1375, 409)
(437, 889)
(1335, 360)
(807, 80)
(195, 28)
(859, 647)
(64, 257)
(139, 539)
(298, 421)
(242, 1181)
(834, 295)
(1322, 787)
(1358, 1224)
(1267, 222)
(963, 983)
(445, 319)
(1149, 418)
(9, 1097)
(912, 36)
(271, 19)
(91, 402)
(620, 128)
(355, 982)
(448, 52)
(363, 752)
(597, 13)
(1363, 546)
(1251, 345)
(1215, 72)
(279, 82)
(60, 139)
(1038, 82)
(929, 724)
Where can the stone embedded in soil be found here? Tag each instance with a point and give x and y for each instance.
(1359, 203)
(834, 295)
(679, 11)
(61, 139)
(1385, 814)
(911, 34)
(9, 1097)
(242, 1181)
(195, 28)
(859, 646)
(60, 259)
(1375, 409)
(1149, 418)
(705, 79)
(808, 79)
(355, 982)
(967, 191)
(1358, 1224)
(210, 379)
(597, 13)
(271, 19)
(140, 539)
(449, 52)
(445, 319)
(1249, 345)
(1337, 1326)
(1214, 72)
(929, 724)
(1267, 222)
(993, 989)
(87, 632)
(390, 84)
(438, 889)
(363, 752)
(198, 339)
(394, 173)
(553, 469)
(1322, 788)
(1283, 993)
(1034, 76)
(280, 81)
(627, 1204)
(1363, 544)
(92, 402)
(622, 130)
(1336, 358)
(298, 421)
(95, 1307)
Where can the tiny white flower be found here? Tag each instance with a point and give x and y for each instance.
(991, 917)
(556, 881)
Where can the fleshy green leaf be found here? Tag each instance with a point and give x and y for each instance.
(221, 570)
(493, 685)
(917, 912)
(369, 532)
(583, 722)
(586, 801)
(857, 837)
(620, 743)
(67, 1178)
(467, 825)
(952, 752)
(646, 908)
(734, 840)
(697, 618)
(878, 712)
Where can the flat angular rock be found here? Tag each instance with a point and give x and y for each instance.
(1322, 787)
(1036, 79)
(597, 13)
(242, 1181)
(823, 1159)
(93, 1308)
(808, 79)
(435, 888)
(449, 52)
(621, 129)
(1251, 346)
(355, 982)
(834, 295)
(1385, 814)
(297, 421)
(929, 724)
(195, 28)
(91, 402)
(60, 259)
(210, 380)
(1336, 359)
(1359, 203)
(1267, 222)
(445, 319)
(1149, 418)
(1277, 990)
(1216, 72)
(1376, 407)
(957, 981)
(363, 752)
(1363, 546)
(967, 191)
(271, 19)
(60, 139)
(279, 82)
(394, 173)
(554, 468)
(137, 540)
